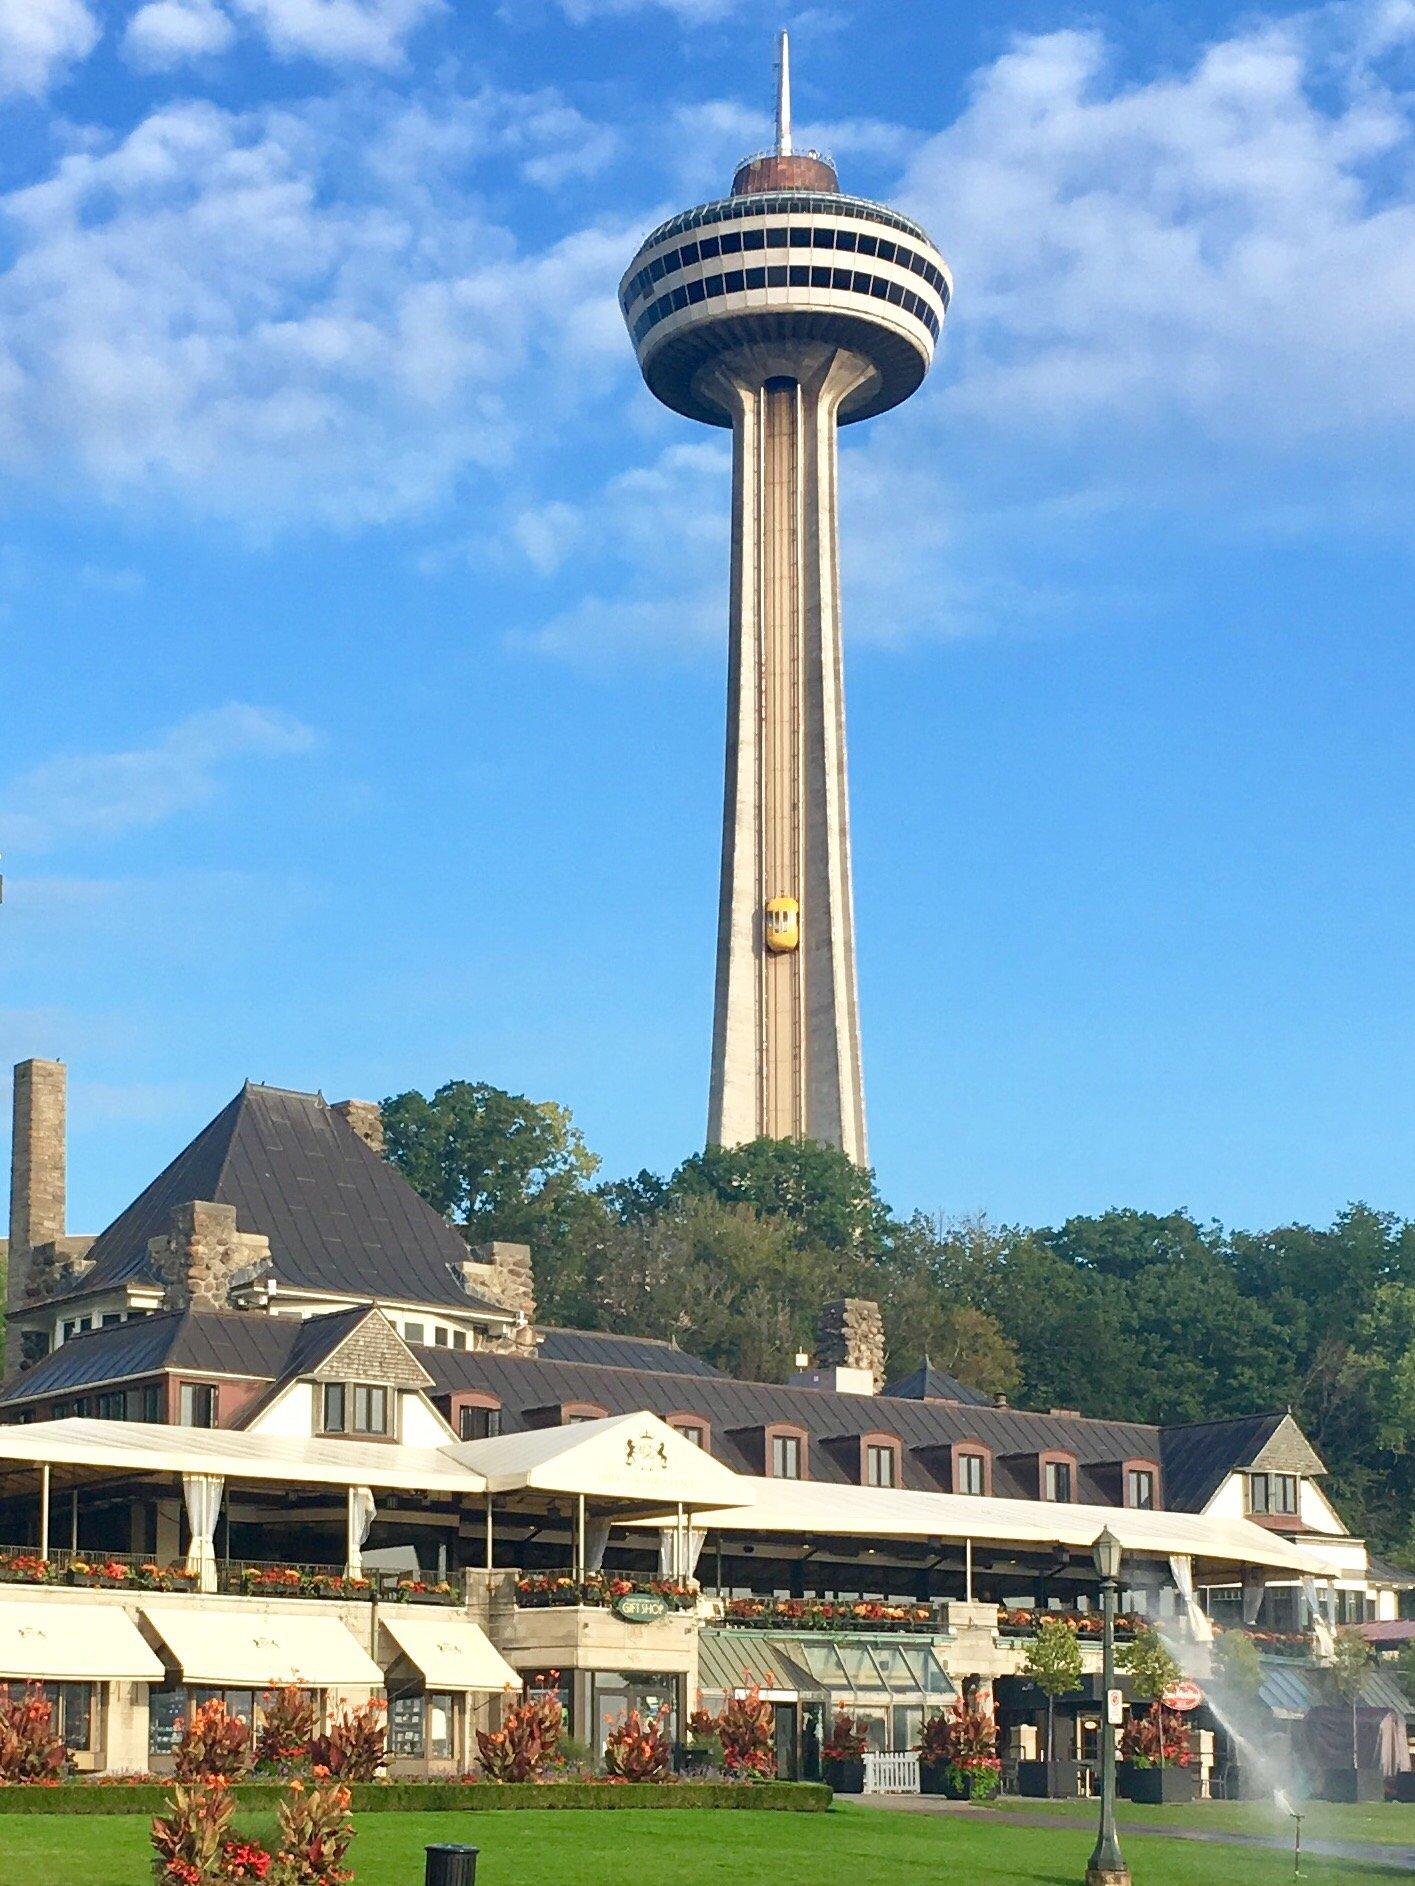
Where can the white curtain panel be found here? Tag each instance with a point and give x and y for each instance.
(596, 1540)
(1181, 1568)
(694, 1539)
(1323, 1636)
(1252, 1603)
(361, 1513)
(201, 1493)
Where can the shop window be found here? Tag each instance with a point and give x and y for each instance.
(169, 1705)
(406, 1733)
(72, 1720)
(197, 1405)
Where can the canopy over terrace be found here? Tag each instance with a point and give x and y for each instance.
(805, 1507)
(622, 1469)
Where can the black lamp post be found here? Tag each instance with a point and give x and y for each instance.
(1107, 1867)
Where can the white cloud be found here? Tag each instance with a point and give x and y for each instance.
(689, 12)
(1227, 246)
(282, 314)
(167, 32)
(82, 795)
(38, 38)
(365, 32)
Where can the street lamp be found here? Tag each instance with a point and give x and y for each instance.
(1107, 1868)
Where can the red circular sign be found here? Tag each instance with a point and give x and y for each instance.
(1183, 1696)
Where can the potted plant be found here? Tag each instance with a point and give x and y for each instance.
(1155, 1763)
(1053, 1663)
(843, 1754)
(958, 1752)
(1350, 1665)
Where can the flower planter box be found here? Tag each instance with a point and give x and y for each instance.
(1157, 1787)
(1048, 1781)
(1361, 1785)
(939, 1778)
(844, 1777)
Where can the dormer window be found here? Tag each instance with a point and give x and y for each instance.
(1272, 1493)
(358, 1408)
(786, 1453)
(881, 1463)
(1058, 1480)
(1140, 1488)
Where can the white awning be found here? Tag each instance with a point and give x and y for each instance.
(261, 1650)
(634, 1457)
(293, 1460)
(451, 1652)
(59, 1643)
(814, 1506)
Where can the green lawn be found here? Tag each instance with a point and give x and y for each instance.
(850, 1846)
(1387, 1824)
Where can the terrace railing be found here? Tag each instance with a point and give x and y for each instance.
(133, 1571)
(835, 1615)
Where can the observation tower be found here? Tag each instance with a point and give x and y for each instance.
(785, 311)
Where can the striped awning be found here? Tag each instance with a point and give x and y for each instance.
(851, 1668)
(732, 1661)
(1291, 1689)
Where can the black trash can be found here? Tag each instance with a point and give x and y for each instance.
(451, 1866)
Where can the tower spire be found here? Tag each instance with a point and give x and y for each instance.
(783, 96)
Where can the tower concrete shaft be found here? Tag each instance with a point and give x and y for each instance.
(786, 1035)
(785, 311)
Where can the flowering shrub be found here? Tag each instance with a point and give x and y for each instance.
(745, 1731)
(848, 1738)
(356, 1746)
(29, 1749)
(26, 1568)
(295, 1581)
(1090, 1624)
(213, 1745)
(536, 1589)
(1158, 1739)
(315, 1831)
(1276, 1643)
(638, 1750)
(424, 1591)
(189, 1841)
(964, 1740)
(821, 1614)
(527, 1741)
(286, 1729)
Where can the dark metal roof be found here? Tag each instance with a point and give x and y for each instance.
(620, 1352)
(1198, 1457)
(339, 1218)
(217, 1342)
(927, 1383)
(737, 1411)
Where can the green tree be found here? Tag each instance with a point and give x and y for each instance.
(1350, 1666)
(497, 1164)
(829, 1201)
(1053, 1662)
(1238, 1666)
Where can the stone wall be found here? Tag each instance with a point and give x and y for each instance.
(203, 1254)
(850, 1335)
(364, 1117)
(37, 1179)
(502, 1272)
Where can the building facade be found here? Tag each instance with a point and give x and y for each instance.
(278, 1388)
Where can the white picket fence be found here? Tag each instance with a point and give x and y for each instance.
(896, 1773)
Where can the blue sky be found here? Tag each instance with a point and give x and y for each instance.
(362, 618)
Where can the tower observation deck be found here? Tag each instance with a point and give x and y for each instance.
(785, 311)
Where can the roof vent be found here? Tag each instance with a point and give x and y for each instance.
(1001, 1401)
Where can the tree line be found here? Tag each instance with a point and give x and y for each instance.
(1132, 1314)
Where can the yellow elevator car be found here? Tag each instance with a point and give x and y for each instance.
(783, 924)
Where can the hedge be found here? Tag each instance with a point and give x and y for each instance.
(439, 1797)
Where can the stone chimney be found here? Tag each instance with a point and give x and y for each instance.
(37, 1180)
(203, 1256)
(850, 1345)
(503, 1273)
(364, 1117)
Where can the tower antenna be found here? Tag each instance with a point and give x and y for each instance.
(783, 97)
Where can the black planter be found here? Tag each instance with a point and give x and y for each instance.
(1157, 1787)
(1048, 1781)
(1362, 1785)
(1404, 1785)
(844, 1777)
(942, 1778)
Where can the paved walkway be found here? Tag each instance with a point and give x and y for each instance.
(1393, 1859)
